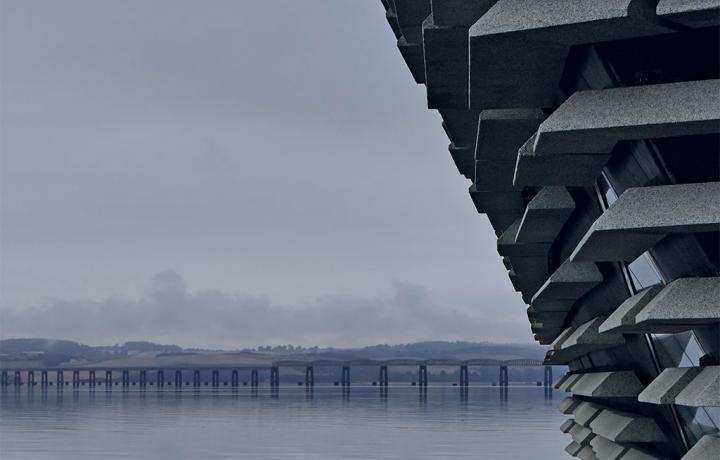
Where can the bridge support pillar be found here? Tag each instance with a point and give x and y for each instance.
(4, 379)
(108, 379)
(17, 380)
(464, 376)
(547, 377)
(196, 378)
(215, 378)
(383, 376)
(126, 379)
(60, 378)
(503, 376)
(274, 376)
(160, 379)
(254, 380)
(178, 379)
(143, 379)
(235, 379)
(346, 376)
(309, 376)
(44, 381)
(91, 379)
(422, 376)
(31, 379)
(76, 379)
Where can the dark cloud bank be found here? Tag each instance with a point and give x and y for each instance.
(168, 311)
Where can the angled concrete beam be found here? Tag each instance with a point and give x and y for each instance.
(566, 425)
(579, 340)
(518, 48)
(463, 159)
(625, 427)
(507, 246)
(446, 65)
(605, 448)
(643, 216)
(573, 448)
(459, 12)
(497, 201)
(568, 405)
(592, 122)
(391, 18)
(581, 435)
(703, 390)
(461, 126)
(545, 215)
(666, 386)
(690, 13)
(572, 170)
(410, 16)
(616, 384)
(585, 412)
(623, 318)
(412, 53)
(495, 175)
(683, 304)
(500, 133)
(568, 283)
(707, 447)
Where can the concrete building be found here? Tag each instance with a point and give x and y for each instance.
(589, 133)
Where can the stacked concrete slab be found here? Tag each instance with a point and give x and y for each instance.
(587, 135)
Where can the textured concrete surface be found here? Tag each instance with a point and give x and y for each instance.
(459, 12)
(566, 425)
(666, 386)
(568, 405)
(690, 13)
(682, 304)
(615, 384)
(643, 216)
(604, 448)
(581, 435)
(706, 448)
(545, 215)
(461, 126)
(703, 390)
(594, 121)
(568, 283)
(623, 318)
(586, 412)
(573, 448)
(412, 53)
(624, 427)
(584, 339)
(446, 65)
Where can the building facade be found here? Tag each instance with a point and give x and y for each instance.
(589, 134)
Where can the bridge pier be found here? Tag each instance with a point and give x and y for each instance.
(178, 379)
(76, 379)
(160, 379)
(464, 376)
(423, 376)
(91, 378)
(383, 376)
(4, 379)
(254, 380)
(547, 377)
(196, 378)
(309, 376)
(274, 376)
(108, 379)
(60, 378)
(215, 378)
(44, 381)
(235, 379)
(31, 379)
(17, 380)
(126, 379)
(503, 376)
(345, 380)
(143, 378)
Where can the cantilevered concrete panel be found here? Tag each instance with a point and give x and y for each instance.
(666, 386)
(581, 435)
(703, 390)
(707, 447)
(586, 413)
(583, 339)
(690, 13)
(643, 216)
(459, 12)
(446, 65)
(604, 448)
(532, 169)
(568, 283)
(594, 121)
(625, 427)
(616, 384)
(463, 159)
(545, 215)
(410, 16)
(573, 448)
(412, 53)
(623, 318)
(568, 405)
(461, 126)
(566, 425)
(518, 48)
(501, 133)
(681, 305)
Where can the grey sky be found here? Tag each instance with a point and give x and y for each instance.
(273, 159)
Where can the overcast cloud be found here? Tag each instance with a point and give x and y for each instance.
(276, 155)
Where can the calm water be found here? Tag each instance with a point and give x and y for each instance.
(290, 425)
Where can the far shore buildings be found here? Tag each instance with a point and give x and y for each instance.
(588, 132)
